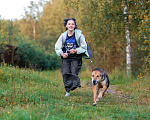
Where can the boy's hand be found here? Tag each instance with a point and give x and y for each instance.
(73, 51)
(64, 55)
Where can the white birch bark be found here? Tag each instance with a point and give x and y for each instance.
(128, 45)
(33, 27)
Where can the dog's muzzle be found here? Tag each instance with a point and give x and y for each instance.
(94, 82)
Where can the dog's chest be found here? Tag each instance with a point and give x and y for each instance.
(101, 83)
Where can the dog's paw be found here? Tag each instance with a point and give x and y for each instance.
(94, 104)
(99, 98)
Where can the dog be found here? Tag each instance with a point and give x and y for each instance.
(99, 80)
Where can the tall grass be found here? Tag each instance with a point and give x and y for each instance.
(33, 95)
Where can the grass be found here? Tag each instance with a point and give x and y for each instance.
(32, 95)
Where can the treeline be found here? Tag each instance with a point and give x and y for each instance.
(102, 23)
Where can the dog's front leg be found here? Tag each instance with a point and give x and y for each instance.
(102, 92)
(95, 94)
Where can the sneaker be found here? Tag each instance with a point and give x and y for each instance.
(67, 94)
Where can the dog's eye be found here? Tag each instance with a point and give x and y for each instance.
(92, 75)
(97, 75)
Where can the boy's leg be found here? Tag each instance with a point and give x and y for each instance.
(65, 67)
(76, 67)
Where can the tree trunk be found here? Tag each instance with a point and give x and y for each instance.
(33, 27)
(127, 34)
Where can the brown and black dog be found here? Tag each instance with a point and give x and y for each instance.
(100, 80)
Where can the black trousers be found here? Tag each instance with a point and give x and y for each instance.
(70, 71)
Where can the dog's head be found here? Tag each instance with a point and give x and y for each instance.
(96, 76)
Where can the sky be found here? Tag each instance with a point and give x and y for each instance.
(13, 9)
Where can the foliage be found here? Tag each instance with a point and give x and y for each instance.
(102, 23)
(29, 94)
(50, 24)
(28, 55)
(139, 17)
(103, 26)
(105, 38)
(8, 32)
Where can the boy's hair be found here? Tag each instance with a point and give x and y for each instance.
(66, 20)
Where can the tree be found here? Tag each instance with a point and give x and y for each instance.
(50, 24)
(103, 28)
(29, 22)
(139, 27)
(127, 33)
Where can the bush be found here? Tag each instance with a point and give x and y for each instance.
(28, 55)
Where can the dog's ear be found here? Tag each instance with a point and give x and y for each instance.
(92, 69)
(100, 70)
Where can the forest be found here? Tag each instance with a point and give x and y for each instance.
(103, 22)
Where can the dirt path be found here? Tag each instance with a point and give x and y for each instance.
(112, 90)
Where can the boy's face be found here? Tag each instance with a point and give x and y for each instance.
(70, 25)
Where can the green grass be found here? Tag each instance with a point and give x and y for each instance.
(32, 95)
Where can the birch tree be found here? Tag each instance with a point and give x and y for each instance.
(33, 15)
(127, 34)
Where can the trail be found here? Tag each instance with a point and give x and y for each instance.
(112, 90)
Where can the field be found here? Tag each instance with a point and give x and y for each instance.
(39, 95)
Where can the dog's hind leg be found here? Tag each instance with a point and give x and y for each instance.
(102, 92)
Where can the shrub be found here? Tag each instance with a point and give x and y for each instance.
(28, 55)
